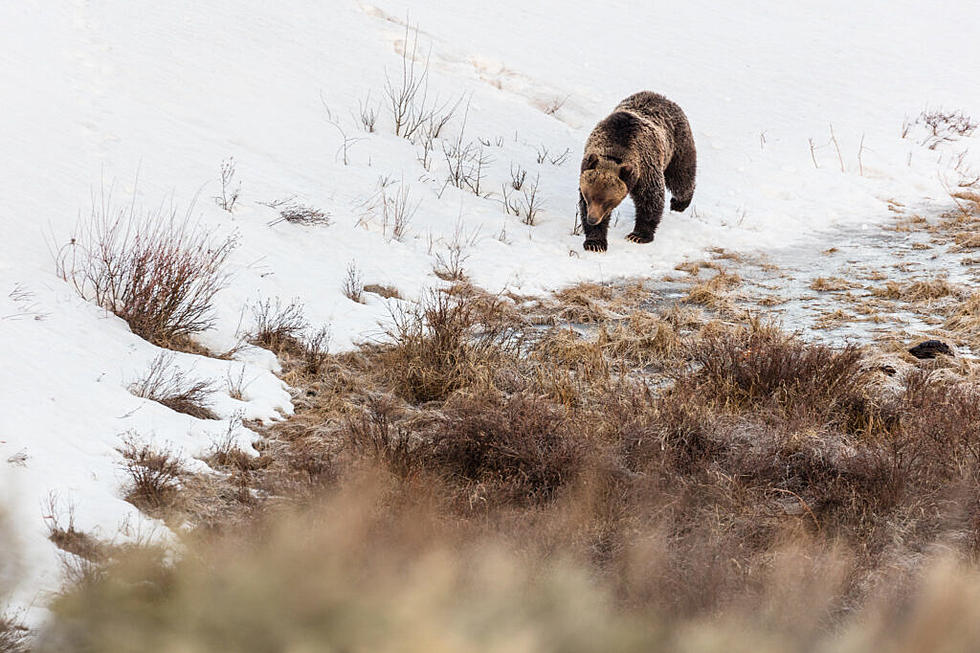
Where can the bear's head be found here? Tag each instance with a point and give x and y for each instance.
(603, 184)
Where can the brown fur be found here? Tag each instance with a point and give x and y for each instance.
(642, 148)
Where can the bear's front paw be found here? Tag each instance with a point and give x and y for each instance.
(595, 246)
(678, 205)
(637, 237)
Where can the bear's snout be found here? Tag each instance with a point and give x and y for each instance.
(594, 215)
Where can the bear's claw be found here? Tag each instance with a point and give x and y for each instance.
(635, 237)
(595, 245)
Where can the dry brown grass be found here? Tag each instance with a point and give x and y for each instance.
(832, 319)
(446, 343)
(715, 293)
(967, 240)
(964, 320)
(66, 537)
(585, 303)
(831, 284)
(388, 292)
(917, 291)
(643, 339)
(694, 267)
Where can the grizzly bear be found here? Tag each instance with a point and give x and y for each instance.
(643, 146)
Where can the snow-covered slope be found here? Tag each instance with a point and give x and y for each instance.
(98, 94)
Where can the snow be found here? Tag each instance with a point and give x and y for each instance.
(149, 98)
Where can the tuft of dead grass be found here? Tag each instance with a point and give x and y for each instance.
(167, 384)
(585, 303)
(67, 537)
(917, 291)
(714, 293)
(388, 292)
(831, 284)
(643, 339)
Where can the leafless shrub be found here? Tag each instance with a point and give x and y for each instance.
(277, 327)
(517, 176)
(375, 432)
(813, 153)
(511, 206)
(167, 384)
(555, 105)
(353, 284)
(833, 139)
(428, 145)
(346, 142)
(236, 385)
(296, 213)
(513, 450)
(316, 351)
(156, 271)
(544, 154)
(397, 211)
(437, 119)
(449, 264)
(407, 96)
(65, 536)
(940, 127)
(227, 456)
(495, 142)
(224, 451)
(502, 236)
(229, 196)
(531, 205)
(367, 113)
(153, 475)
(561, 158)
(466, 166)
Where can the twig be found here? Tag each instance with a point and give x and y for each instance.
(833, 139)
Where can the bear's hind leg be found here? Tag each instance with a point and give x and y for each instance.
(679, 178)
(649, 202)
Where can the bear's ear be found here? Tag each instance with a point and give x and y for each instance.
(628, 176)
(590, 162)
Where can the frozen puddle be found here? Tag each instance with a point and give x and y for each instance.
(896, 281)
